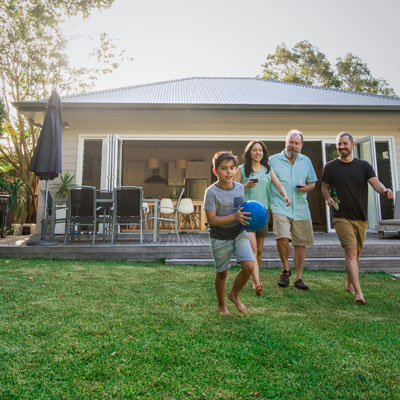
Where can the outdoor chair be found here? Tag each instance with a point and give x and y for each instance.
(54, 206)
(146, 214)
(128, 209)
(188, 213)
(82, 211)
(166, 209)
(390, 225)
(169, 213)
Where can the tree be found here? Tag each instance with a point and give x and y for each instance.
(33, 62)
(355, 75)
(304, 63)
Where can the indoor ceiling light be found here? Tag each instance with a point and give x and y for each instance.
(182, 164)
(153, 163)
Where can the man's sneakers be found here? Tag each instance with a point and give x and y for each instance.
(299, 284)
(283, 281)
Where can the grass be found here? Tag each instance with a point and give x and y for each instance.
(118, 330)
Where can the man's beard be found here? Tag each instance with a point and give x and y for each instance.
(292, 153)
(344, 153)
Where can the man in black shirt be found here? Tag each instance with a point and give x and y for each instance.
(349, 177)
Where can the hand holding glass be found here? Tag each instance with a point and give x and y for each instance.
(300, 183)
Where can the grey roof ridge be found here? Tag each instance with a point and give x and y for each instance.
(126, 87)
(71, 96)
(397, 98)
(332, 89)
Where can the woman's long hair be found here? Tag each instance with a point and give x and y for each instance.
(247, 157)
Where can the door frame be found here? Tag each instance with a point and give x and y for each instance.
(109, 146)
(112, 161)
(328, 211)
(374, 208)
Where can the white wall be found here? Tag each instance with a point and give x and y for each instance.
(223, 126)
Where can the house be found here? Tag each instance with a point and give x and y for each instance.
(163, 135)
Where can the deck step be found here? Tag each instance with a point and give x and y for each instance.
(367, 264)
(378, 254)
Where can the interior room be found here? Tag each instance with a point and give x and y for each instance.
(164, 167)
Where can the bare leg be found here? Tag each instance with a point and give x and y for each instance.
(260, 245)
(256, 276)
(283, 249)
(241, 279)
(220, 287)
(351, 263)
(349, 286)
(299, 255)
(256, 284)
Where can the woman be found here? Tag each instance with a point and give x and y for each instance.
(256, 175)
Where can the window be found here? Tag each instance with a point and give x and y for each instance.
(91, 169)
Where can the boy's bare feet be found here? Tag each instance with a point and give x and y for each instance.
(259, 289)
(350, 288)
(223, 310)
(359, 300)
(236, 301)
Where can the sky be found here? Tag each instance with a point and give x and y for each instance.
(177, 39)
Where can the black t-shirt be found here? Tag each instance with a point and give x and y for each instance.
(351, 183)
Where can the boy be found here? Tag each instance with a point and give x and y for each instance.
(222, 206)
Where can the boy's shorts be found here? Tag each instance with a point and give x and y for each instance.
(351, 233)
(222, 251)
(299, 232)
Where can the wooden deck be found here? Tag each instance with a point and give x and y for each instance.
(193, 248)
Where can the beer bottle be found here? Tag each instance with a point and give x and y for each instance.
(336, 200)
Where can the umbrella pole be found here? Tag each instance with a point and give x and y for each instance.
(43, 241)
(44, 220)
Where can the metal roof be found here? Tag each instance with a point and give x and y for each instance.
(231, 91)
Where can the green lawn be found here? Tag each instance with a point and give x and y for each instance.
(118, 330)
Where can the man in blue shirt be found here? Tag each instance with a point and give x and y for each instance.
(296, 173)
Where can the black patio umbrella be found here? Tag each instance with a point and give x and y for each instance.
(46, 160)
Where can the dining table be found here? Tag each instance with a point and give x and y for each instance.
(156, 214)
(104, 202)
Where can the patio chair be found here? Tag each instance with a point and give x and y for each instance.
(128, 209)
(169, 213)
(54, 205)
(82, 211)
(390, 225)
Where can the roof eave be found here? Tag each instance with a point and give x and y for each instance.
(41, 106)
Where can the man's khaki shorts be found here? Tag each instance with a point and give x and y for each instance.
(351, 233)
(299, 232)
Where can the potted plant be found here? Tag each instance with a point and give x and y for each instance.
(65, 181)
(13, 187)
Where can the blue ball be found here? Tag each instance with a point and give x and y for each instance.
(259, 215)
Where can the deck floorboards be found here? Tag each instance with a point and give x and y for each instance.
(193, 248)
